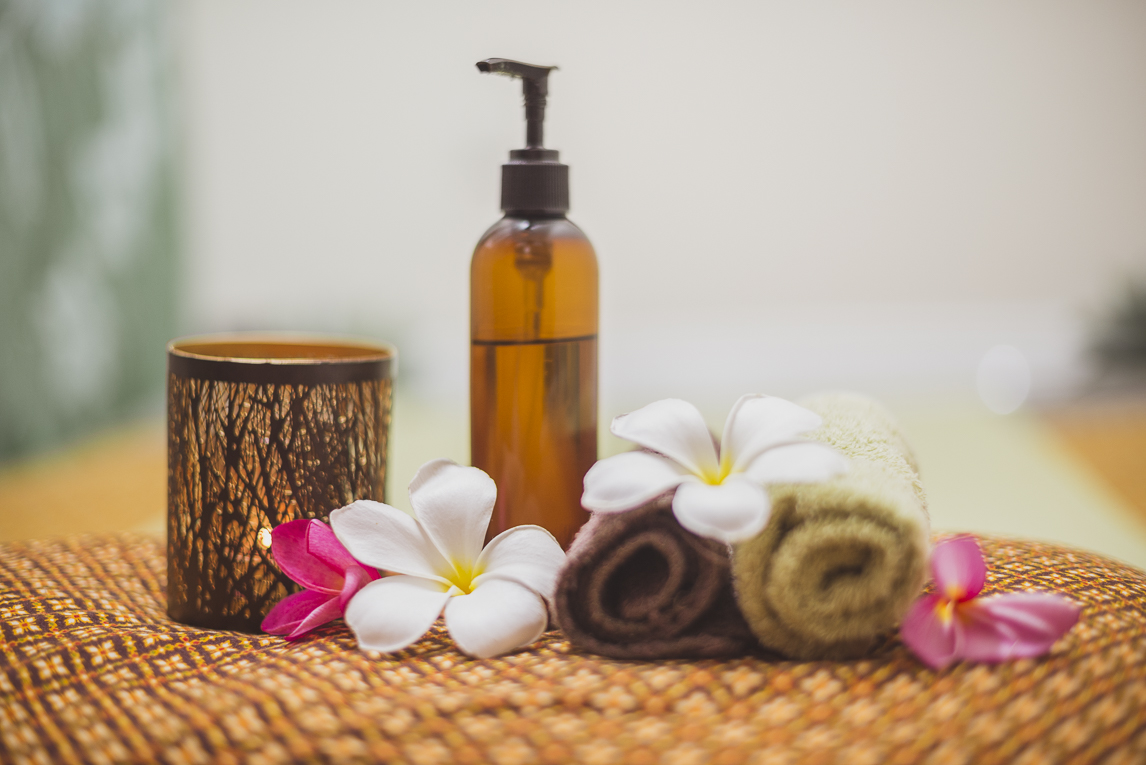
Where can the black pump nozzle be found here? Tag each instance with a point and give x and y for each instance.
(534, 85)
(533, 180)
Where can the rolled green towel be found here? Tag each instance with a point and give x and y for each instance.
(840, 562)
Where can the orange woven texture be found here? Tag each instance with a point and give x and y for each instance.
(91, 670)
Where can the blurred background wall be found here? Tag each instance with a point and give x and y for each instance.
(784, 195)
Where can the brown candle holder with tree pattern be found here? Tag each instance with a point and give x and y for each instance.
(261, 430)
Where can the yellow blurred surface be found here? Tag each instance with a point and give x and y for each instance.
(1013, 475)
(114, 482)
(1111, 440)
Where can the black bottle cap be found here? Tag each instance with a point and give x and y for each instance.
(533, 181)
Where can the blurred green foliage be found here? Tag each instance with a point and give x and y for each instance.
(1122, 338)
(88, 240)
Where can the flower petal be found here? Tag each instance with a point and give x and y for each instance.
(299, 613)
(391, 613)
(357, 577)
(927, 635)
(958, 568)
(327, 612)
(289, 548)
(1017, 625)
(801, 462)
(733, 511)
(628, 480)
(495, 618)
(388, 539)
(454, 504)
(674, 428)
(758, 422)
(321, 543)
(527, 555)
(981, 637)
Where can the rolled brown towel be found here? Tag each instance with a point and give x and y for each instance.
(637, 585)
(840, 562)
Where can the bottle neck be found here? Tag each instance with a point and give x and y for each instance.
(534, 215)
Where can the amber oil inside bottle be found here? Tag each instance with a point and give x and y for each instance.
(533, 370)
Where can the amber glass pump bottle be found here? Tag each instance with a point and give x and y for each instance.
(533, 336)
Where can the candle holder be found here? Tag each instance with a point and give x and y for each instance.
(261, 430)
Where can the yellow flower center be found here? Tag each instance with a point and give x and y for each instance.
(461, 578)
(945, 610)
(716, 477)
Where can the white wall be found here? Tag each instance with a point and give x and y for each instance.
(783, 195)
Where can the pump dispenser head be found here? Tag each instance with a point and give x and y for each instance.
(533, 181)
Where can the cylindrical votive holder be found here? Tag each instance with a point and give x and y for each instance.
(261, 430)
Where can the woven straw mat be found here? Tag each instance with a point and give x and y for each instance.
(91, 670)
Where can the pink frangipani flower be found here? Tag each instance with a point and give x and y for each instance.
(955, 623)
(308, 552)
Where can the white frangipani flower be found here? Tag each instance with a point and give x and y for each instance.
(719, 492)
(494, 598)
